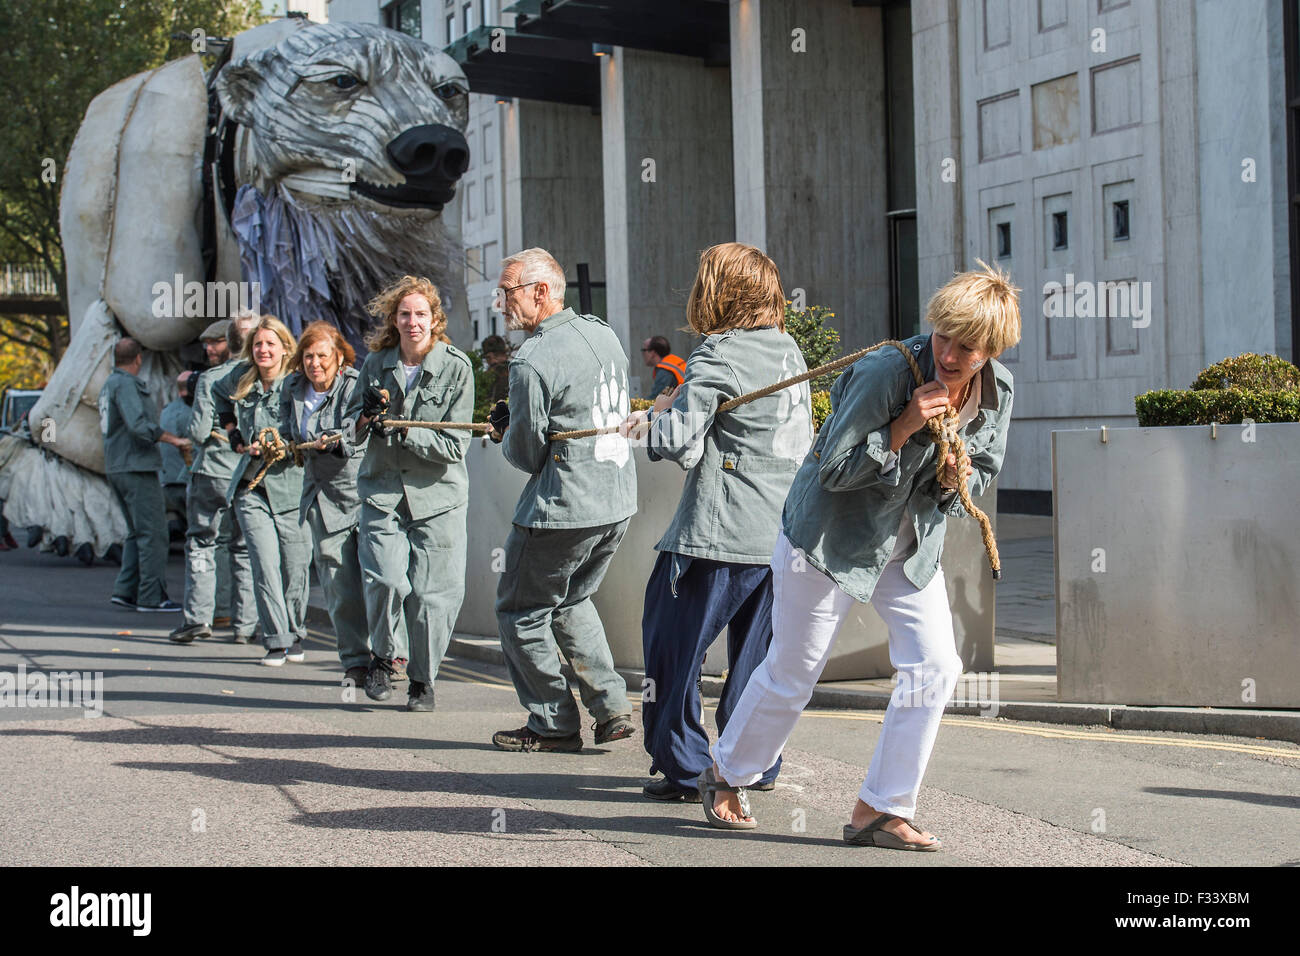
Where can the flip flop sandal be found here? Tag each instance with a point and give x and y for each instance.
(872, 835)
(709, 785)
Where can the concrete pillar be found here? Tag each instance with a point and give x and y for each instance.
(666, 131)
(936, 108)
(553, 183)
(808, 122)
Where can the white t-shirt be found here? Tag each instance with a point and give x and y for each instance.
(411, 372)
(310, 403)
(906, 543)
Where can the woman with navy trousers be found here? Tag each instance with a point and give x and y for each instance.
(713, 569)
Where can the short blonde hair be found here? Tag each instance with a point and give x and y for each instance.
(384, 307)
(736, 287)
(980, 308)
(249, 378)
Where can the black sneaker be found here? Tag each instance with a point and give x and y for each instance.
(616, 728)
(379, 679)
(420, 697)
(186, 633)
(123, 602)
(661, 788)
(355, 676)
(524, 740)
(164, 606)
(275, 658)
(296, 653)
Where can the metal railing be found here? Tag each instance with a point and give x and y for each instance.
(24, 279)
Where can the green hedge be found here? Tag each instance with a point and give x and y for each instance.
(1227, 406)
(1263, 388)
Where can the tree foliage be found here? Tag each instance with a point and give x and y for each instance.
(59, 55)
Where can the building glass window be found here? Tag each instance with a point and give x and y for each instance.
(489, 195)
(492, 261)
(489, 147)
(1060, 230)
(467, 17)
(1119, 215)
(1004, 240)
(451, 28)
(488, 16)
(403, 15)
(469, 201)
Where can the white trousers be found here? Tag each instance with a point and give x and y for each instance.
(807, 611)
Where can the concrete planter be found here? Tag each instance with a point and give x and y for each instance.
(1176, 557)
(861, 651)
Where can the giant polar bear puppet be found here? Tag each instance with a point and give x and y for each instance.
(314, 160)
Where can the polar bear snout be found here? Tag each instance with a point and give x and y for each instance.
(432, 157)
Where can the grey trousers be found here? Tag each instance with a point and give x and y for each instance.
(144, 553)
(279, 548)
(544, 609)
(218, 576)
(414, 574)
(338, 569)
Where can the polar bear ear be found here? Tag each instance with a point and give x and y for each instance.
(237, 87)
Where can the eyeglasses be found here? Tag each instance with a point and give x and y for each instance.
(520, 286)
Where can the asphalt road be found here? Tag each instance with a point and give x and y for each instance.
(202, 756)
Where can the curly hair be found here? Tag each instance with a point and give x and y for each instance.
(384, 307)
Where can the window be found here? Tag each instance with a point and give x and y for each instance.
(1004, 240)
(489, 195)
(476, 329)
(494, 323)
(451, 28)
(1119, 220)
(488, 17)
(469, 201)
(473, 265)
(403, 15)
(492, 260)
(489, 147)
(1060, 230)
(467, 17)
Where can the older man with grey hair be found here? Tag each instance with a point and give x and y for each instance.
(570, 374)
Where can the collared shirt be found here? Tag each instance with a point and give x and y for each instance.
(261, 407)
(212, 457)
(128, 419)
(739, 464)
(844, 510)
(329, 477)
(425, 467)
(570, 374)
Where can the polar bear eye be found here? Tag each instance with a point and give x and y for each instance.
(343, 81)
(448, 91)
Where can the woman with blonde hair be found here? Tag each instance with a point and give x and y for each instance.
(318, 391)
(249, 400)
(712, 571)
(413, 485)
(864, 521)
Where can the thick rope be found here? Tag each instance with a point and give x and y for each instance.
(273, 449)
(468, 426)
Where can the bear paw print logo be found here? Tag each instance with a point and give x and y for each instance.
(609, 406)
(793, 435)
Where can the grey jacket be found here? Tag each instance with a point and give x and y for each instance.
(739, 464)
(129, 420)
(423, 466)
(260, 408)
(212, 457)
(571, 373)
(843, 514)
(329, 477)
(175, 418)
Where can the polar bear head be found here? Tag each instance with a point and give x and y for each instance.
(348, 110)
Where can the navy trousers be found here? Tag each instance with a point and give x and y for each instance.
(677, 626)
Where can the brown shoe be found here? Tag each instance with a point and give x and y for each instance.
(525, 740)
(616, 728)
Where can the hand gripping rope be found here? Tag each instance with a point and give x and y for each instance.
(943, 428)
